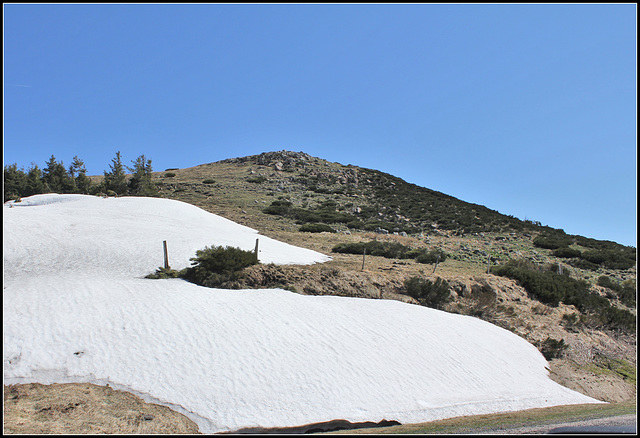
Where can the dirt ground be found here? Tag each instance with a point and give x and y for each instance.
(84, 408)
(610, 387)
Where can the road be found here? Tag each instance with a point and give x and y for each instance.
(598, 425)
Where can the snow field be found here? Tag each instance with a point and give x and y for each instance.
(76, 309)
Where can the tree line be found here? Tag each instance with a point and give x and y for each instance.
(54, 177)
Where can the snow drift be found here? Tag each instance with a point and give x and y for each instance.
(77, 309)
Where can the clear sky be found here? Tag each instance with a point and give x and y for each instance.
(528, 109)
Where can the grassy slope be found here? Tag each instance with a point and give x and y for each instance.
(309, 182)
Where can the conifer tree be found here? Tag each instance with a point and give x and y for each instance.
(34, 184)
(115, 179)
(14, 182)
(56, 178)
(82, 181)
(140, 183)
(52, 175)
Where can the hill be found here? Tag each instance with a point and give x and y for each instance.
(587, 335)
(279, 193)
(310, 190)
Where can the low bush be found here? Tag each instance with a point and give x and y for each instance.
(208, 181)
(391, 250)
(324, 214)
(628, 293)
(625, 292)
(610, 258)
(552, 348)
(316, 228)
(431, 257)
(553, 241)
(551, 288)
(169, 175)
(257, 179)
(428, 293)
(566, 252)
(213, 266)
(570, 321)
(167, 273)
(583, 264)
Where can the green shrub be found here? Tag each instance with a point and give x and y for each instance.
(215, 265)
(566, 252)
(584, 264)
(208, 181)
(626, 292)
(169, 175)
(552, 241)
(545, 286)
(552, 348)
(610, 258)
(278, 207)
(431, 257)
(390, 250)
(607, 282)
(257, 179)
(162, 273)
(551, 288)
(316, 228)
(570, 320)
(430, 294)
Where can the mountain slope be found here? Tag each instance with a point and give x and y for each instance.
(277, 192)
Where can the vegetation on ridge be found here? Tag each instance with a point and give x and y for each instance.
(55, 178)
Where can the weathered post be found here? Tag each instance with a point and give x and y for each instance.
(166, 255)
(436, 266)
(488, 263)
(256, 250)
(364, 253)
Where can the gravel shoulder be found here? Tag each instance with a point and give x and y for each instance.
(531, 421)
(617, 421)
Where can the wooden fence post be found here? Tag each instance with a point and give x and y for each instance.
(364, 253)
(256, 250)
(166, 255)
(436, 266)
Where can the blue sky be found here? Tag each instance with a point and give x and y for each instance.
(528, 109)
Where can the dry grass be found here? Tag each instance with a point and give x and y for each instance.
(84, 408)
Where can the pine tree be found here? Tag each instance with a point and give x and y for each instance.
(14, 182)
(82, 181)
(51, 175)
(140, 183)
(56, 178)
(115, 179)
(34, 183)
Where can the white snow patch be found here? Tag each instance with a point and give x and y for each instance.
(76, 309)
